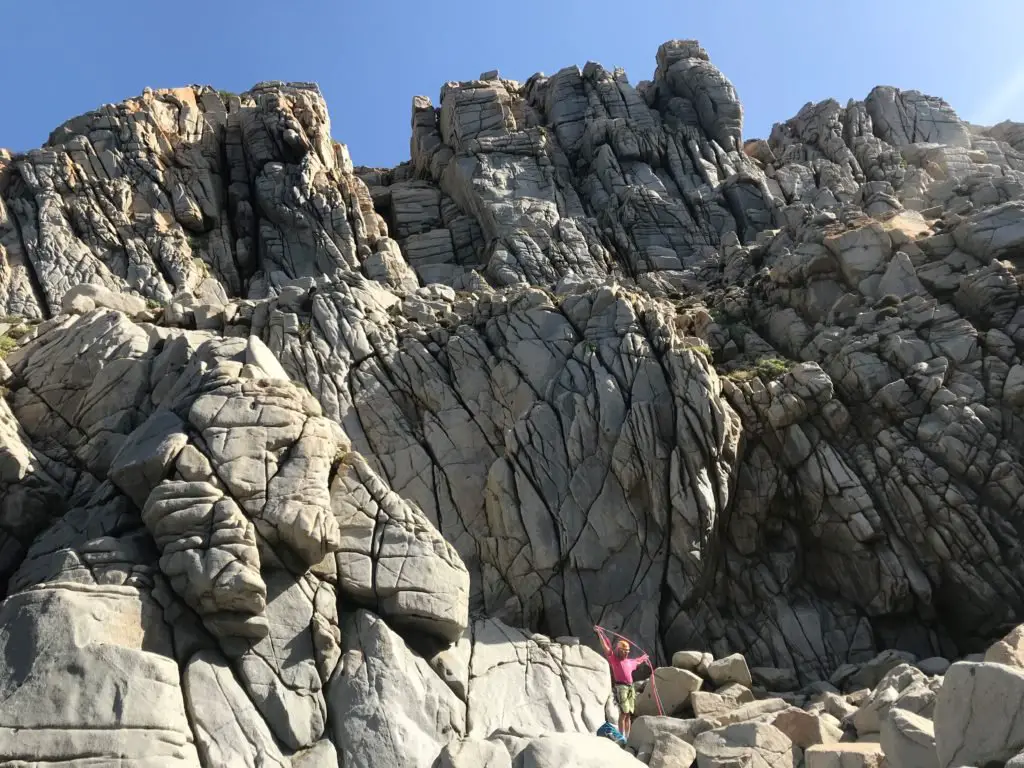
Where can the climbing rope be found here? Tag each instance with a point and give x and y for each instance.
(654, 686)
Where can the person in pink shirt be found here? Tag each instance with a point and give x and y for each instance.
(623, 668)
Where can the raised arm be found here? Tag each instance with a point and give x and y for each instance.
(605, 645)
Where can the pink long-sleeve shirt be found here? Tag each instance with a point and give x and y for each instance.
(623, 669)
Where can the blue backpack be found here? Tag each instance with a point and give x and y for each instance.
(609, 731)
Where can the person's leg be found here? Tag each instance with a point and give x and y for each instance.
(628, 708)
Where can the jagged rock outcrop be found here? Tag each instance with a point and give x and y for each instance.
(326, 456)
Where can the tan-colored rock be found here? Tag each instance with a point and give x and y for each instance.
(806, 730)
(85, 298)
(908, 740)
(673, 686)
(977, 716)
(753, 744)
(845, 755)
(646, 730)
(671, 752)
(708, 704)
(688, 660)
(1009, 650)
(731, 669)
(762, 710)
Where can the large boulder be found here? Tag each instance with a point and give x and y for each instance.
(527, 681)
(1009, 650)
(754, 744)
(671, 752)
(976, 720)
(908, 740)
(388, 706)
(390, 555)
(124, 702)
(671, 686)
(847, 755)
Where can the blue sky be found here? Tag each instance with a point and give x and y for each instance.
(64, 57)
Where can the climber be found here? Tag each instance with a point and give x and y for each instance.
(623, 668)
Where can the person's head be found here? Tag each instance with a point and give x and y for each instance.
(622, 649)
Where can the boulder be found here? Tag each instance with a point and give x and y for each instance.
(905, 687)
(392, 556)
(379, 680)
(124, 702)
(753, 744)
(869, 674)
(731, 669)
(762, 710)
(474, 753)
(526, 681)
(1009, 650)
(775, 679)
(846, 755)
(646, 730)
(908, 740)
(805, 729)
(85, 297)
(688, 660)
(977, 718)
(933, 665)
(671, 752)
(706, 703)
(570, 750)
(673, 686)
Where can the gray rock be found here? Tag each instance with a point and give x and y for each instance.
(846, 755)
(393, 557)
(933, 665)
(673, 687)
(124, 701)
(84, 298)
(805, 729)
(646, 730)
(908, 740)
(527, 682)
(474, 753)
(688, 660)
(572, 750)
(774, 679)
(379, 680)
(1009, 650)
(228, 729)
(671, 752)
(903, 687)
(975, 716)
(731, 669)
(746, 743)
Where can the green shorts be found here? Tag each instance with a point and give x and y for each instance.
(625, 695)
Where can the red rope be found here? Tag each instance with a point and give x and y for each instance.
(654, 685)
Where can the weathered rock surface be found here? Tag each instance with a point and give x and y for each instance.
(302, 462)
(753, 744)
(908, 740)
(860, 755)
(977, 716)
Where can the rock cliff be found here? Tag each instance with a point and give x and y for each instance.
(302, 462)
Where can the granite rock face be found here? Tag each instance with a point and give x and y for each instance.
(328, 463)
